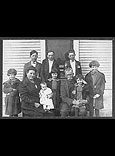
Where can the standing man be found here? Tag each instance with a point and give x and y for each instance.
(33, 62)
(72, 63)
(48, 64)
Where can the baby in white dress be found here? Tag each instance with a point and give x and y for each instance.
(46, 97)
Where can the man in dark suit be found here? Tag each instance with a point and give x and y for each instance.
(34, 63)
(48, 64)
(72, 63)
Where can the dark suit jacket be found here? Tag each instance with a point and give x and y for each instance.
(97, 88)
(38, 68)
(64, 89)
(45, 69)
(78, 66)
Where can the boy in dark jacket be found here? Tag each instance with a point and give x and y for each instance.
(96, 81)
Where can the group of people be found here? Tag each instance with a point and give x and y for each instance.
(43, 93)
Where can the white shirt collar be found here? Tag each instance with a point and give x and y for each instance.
(72, 61)
(33, 64)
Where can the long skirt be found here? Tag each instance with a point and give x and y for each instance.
(12, 104)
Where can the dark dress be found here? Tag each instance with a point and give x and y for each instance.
(80, 93)
(29, 93)
(12, 99)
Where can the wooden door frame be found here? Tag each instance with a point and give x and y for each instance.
(46, 45)
(76, 48)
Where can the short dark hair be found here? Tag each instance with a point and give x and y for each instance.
(50, 51)
(94, 63)
(12, 71)
(54, 70)
(30, 68)
(33, 51)
(79, 76)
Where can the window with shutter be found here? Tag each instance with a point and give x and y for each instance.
(100, 50)
(17, 52)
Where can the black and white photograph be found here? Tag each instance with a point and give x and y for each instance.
(59, 78)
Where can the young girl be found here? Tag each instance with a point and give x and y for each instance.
(96, 81)
(79, 93)
(54, 83)
(12, 99)
(46, 97)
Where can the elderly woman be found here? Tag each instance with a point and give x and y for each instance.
(29, 93)
(96, 81)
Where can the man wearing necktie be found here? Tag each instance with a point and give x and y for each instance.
(48, 64)
(72, 63)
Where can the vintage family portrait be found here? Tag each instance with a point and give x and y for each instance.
(57, 78)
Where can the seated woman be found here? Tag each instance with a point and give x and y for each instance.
(29, 93)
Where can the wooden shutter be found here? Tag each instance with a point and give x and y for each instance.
(17, 52)
(100, 50)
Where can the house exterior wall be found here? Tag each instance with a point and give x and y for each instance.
(16, 54)
(100, 50)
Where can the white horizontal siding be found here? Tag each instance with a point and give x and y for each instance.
(100, 50)
(17, 52)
